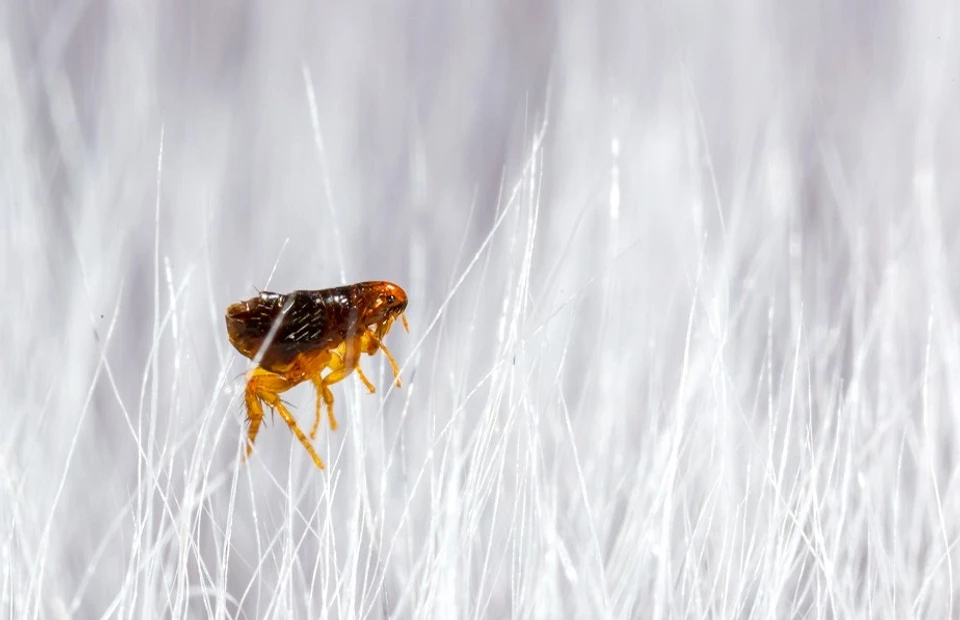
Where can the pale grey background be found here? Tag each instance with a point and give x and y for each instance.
(800, 157)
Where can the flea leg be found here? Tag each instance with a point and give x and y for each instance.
(393, 364)
(371, 344)
(323, 394)
(254, 417)
(259, 383)
(343, 361)
(346, 360)
(364, 379)
(292, 423)
(340, 365)
(312, 367)
(266, 387)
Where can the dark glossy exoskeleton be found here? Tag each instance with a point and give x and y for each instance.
(295, 337)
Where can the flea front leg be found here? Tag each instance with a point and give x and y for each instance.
(373, 343)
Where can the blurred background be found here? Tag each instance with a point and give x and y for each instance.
(684, 327)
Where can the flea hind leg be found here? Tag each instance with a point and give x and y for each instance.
(265, 387)
(254, 418)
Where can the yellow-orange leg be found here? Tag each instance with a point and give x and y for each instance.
(372, 343)
(364, 380)
(321, 385)
(266, 387)
(254, 418)
(326, 396)
(341, 363)
(393, 365)
(344, 361)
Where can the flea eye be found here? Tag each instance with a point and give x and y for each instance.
(391, 299)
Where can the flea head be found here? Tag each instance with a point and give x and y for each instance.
(384, 303)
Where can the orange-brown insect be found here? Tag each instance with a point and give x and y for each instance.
(298, 335)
